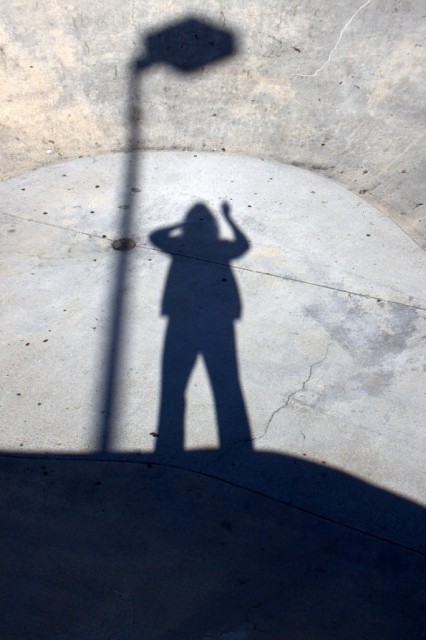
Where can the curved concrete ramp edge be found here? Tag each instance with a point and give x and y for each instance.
(339, 92)
(311, 329)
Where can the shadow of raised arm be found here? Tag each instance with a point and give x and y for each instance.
(237, 247)
(164, 240)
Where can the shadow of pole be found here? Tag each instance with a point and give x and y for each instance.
(187, 46)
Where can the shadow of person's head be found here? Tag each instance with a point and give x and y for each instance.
(200, 223)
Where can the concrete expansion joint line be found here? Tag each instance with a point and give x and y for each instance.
(44, 223)
(111, 459)
(288, 278)
(232, 266)
(312, 75)
(293, 393)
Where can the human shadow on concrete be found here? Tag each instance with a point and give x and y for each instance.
(202, 303)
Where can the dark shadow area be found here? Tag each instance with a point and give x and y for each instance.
(96, 549)
(233, 544)
(202, 302)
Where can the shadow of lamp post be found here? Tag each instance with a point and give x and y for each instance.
(187, 46)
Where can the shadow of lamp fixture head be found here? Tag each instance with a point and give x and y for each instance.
(187, 46)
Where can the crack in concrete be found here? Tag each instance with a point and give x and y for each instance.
(273, 38)
(133, 14)
(224, 452)
(312, 75)
(292, 394)
(396, 159)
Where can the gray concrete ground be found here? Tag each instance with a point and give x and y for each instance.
(289, 499)
(286, 498)
(337, 88)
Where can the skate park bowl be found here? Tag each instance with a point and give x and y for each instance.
(214, 320)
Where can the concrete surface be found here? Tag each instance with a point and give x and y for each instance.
(316, 515)
(287, 498)
(330, 339)
(338, 89)
(99, 550)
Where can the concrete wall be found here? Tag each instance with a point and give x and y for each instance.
(337, 88)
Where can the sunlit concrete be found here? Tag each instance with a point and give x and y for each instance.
(330, 342)
(337, 89)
